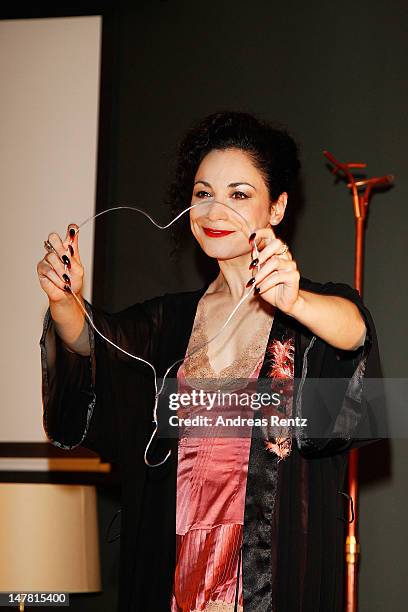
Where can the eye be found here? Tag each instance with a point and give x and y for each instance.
(241, 193)
(200, 192)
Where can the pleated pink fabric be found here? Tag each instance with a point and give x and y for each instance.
(211, 484)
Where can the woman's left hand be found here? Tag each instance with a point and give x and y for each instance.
(278, 277)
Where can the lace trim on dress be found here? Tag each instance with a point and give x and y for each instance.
(219, 606)
(198, 367)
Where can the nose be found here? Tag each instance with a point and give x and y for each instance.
(217, 211)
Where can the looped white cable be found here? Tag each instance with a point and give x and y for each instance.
(158, 392)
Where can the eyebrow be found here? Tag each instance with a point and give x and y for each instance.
(230, 185)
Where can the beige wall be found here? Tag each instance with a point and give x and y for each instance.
(49, 75)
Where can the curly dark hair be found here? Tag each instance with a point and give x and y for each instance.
(273, 152)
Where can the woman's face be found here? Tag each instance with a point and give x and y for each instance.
(228, 176)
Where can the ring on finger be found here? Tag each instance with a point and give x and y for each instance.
(285, 250)
(48, 246)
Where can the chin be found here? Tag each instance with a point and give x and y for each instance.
(227, 247)
(221, 252)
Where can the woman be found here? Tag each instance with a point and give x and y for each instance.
(219, 526)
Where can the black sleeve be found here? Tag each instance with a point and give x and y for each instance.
(345, 402)
(77, 391)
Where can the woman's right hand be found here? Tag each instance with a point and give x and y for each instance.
(51, 268)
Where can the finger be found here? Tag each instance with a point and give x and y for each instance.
(64, 263)
(278, 277)
(263, 236)
(264, 232)
(273, 264)
(59, 250)
(71, 241)
(275, 247)
(56, 242)
(47, 275)
(56, 264)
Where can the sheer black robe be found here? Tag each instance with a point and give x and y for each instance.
(294, 525)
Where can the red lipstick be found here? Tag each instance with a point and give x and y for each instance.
(213, 233)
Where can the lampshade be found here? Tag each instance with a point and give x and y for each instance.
(48, 538)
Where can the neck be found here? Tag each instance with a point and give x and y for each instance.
(232, 279)
(233, 276)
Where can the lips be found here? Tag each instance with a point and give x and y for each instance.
(213, 233)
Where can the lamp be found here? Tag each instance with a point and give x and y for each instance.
(49, 538)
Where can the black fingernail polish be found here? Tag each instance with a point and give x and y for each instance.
(66, 278)
(71, 250)
(253, 263)
(72, 232)
(66, 261)
(67, 288)
(252, 237)
(251, 281)
(257, 290)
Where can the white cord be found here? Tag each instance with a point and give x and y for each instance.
(158, 392)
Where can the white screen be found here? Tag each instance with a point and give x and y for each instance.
(49, 75)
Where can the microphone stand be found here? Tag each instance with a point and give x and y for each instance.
(361, 201)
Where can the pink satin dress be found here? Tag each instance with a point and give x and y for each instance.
(211, 484)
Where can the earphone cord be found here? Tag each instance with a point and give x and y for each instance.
(159, 391)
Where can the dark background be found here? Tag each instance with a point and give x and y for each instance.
(335, 76)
